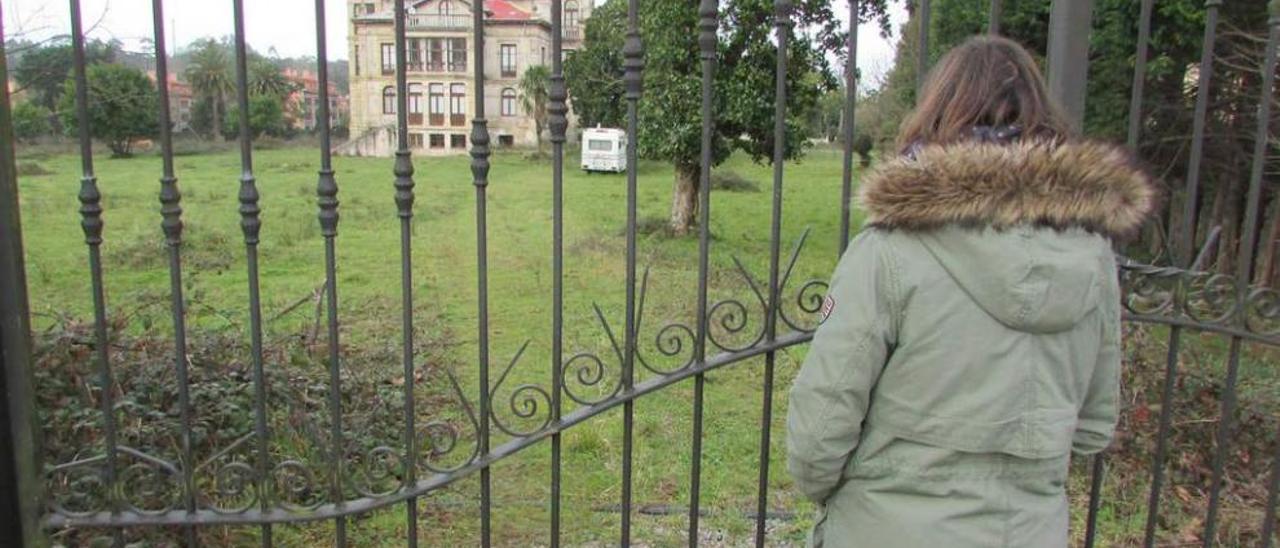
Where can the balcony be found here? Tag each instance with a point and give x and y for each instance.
(435, 21)
(571, 33)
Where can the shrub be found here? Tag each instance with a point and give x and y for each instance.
(732, 181)
(123, 106)
(30, 121)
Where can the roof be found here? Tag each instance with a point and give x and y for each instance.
(495, 10)
(504, 11)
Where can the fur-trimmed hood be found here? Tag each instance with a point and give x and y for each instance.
(1082, 184)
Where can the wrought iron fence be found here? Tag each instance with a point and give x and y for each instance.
(257, 491)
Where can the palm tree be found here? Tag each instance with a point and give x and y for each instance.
(209, 73)
(535, 94)
(265, 78)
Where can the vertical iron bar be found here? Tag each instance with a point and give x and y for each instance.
(171, 225)
(480, 178)
(633, 64)
(922, 44)
(404, 198)
(1162, 435)
(327, 201)
(1139, 75)
(1269, 516)
(557, 109)
(707, 25)
(1095, 500)
(1244, 271)
(1070, 25)
(850, 104)
(91, 223)
(782, 25)
(1192, 197)
(251, 226)
(994, 12)
(1175, 333)
(20, 479)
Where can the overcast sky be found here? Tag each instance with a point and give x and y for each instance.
(288, 26)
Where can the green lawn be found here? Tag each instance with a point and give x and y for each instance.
(444, 246)
(520, 281)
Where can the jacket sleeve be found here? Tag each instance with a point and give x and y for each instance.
(829, 399)
(1096, 422)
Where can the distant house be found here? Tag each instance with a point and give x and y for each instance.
(441, 70)
(304, 104)
(181, 102)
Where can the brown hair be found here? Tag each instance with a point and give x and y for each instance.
(985, 81)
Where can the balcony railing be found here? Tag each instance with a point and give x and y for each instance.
(435, 21)
(572, 33)
(436, 66)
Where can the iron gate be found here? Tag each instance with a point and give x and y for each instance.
(1177, 296)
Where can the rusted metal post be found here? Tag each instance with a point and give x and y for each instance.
(1070, 22)
(19, 477)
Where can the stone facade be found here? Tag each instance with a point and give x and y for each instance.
(441, 70)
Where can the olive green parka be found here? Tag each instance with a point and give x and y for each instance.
(970, 343)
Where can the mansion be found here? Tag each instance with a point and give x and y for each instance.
(441, 70)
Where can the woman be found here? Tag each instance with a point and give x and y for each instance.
(971, 335)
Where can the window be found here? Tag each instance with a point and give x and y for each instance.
(355, 58)
(457, 140)
(456, 49)
(508, 102)
(542, 60)
(435, 54)
(437, 140)
(416, 47)
(457, 104)
(415, 140)
(506, 140)
(435, 99)
(571, 30)
(507, 59)
(599, 145)
(388, 58)
(445, 8)
(415, 103)
(388, 100)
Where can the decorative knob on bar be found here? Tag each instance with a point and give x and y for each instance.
(170, 210)
(632, 65)
(707, 29)
(91, 210)
(558, 109)
(327, 190)
(480, 151)
(250, 224)
(782, 14)
(403, 171)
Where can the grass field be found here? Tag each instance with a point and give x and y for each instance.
(444, 248)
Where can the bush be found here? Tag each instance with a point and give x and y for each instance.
(30, 121)
(266, 117)
(123, 107)
(732, 181)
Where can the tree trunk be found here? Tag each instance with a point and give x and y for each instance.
(217, 116)
(684, 199)
(1267, 271)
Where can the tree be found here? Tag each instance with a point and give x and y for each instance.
(670, 112)
(210, 75)
(266, 78)
(123, 106)
(30, 120)
(42, 70)
(266, 116)
(1168, 104)
(535, 91)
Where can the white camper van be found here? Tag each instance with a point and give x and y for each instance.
(604, 149)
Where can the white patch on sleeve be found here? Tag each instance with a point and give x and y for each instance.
(828, 306)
